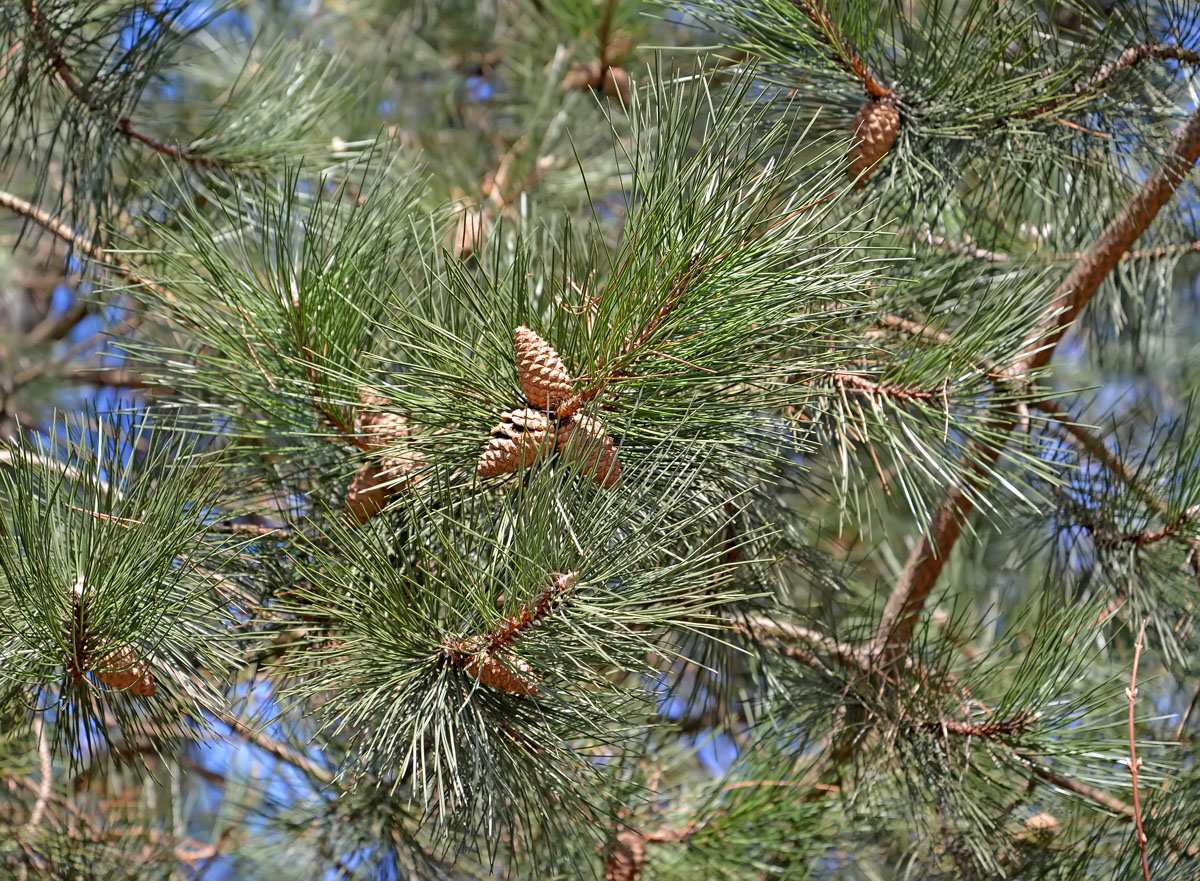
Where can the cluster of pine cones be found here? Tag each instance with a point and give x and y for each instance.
(525, 436)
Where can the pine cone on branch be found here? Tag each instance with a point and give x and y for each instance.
(616, 84)
(521, 438)
(124, 669)
(543, 375)
(592, 448)
(378, 427)
(376, 483)
(874, 130)
(510, 675)
(582, 75)
(626, 856)
(469, 232)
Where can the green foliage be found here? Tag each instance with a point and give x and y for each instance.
(301, 220)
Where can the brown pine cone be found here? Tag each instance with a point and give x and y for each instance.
(367, 495)
(376, 483)
(582, 75)
(616, 83)
(592, 448)
(521, 438)
(626, 856)
(874, 131)
(512, 675)
(1040, 829)
(543, 375)
(469, 232)
(377, 427)
(123, 669)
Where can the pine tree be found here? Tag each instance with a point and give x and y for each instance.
(570, 439)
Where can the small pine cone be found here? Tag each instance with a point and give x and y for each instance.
(123, 669)
(543, 375)
(582, 75)
(626, 856)
(378, 428)
(874, 131)
(368, 493)
(375, 483)
(469, 232)
(592, 448)
(521, 438)
(616, 83)
(1041, 828)
(512, 675)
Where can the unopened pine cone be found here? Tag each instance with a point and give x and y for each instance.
(1041, 828)
(376, 426)
(626, 856)
(367, 495)
(543, 375)
(582, 75)
(124, 670)
(616, 83)
(592, 448)
(469, 232)
(874, 131)
(512, 675)
(521, 438)
(375, 483)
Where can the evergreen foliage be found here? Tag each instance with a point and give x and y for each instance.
(857, 537)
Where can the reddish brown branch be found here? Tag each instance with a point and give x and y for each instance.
(929, 556)
(1091, 793)
(989, 730)
(1134, 762)
(531, 614)
(858, 382)
(787, 634)
(81, 94)
(1131, 57)
(1150, 536)
(843, 54)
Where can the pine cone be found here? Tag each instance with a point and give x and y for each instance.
(874, 131)
(376, 483)
(469, 232)
(582, 75)
(616, 83)
(626, 856)
(593, 449)
(378, 428)
(367, 495)
(543, 376)
(1040, 829)
(123, 669)
(512, 675)
(521, 438)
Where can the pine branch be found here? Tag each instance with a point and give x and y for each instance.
(1131, 57)
(756, 626)
(929, 556)
(120, 124)
(48, 222)
(1096, 448)
(843, 53)
(281, 751)
(1134, 762)
(967, 248)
